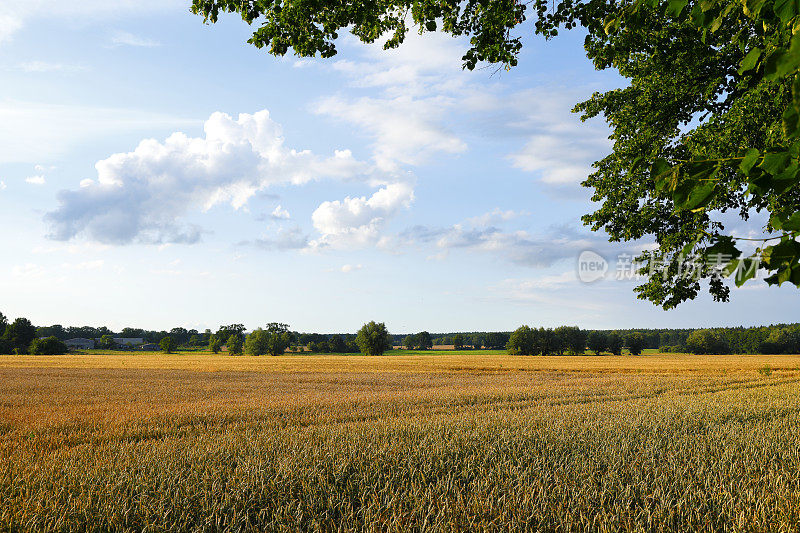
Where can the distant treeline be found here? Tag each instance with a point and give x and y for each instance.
(20, 336)
(182, 336)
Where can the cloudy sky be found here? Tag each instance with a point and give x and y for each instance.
(155, 172)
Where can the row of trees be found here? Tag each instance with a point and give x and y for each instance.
(21, 336)
(372, 339)
(494, 340)
(771, 340)
(571, 340)
(186, 338)
(335, 344)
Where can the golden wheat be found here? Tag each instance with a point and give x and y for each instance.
(456, 442)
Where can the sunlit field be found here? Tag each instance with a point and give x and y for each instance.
(464, 441)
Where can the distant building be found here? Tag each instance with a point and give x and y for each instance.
(80, 344)
(129, 342)
(150, 347)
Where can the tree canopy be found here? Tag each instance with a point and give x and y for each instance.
(419, 341)
(19, 335)
(48, 346)
(635, 343)
(167, 345)
(373, 338)
(273, 341)
(708, 124)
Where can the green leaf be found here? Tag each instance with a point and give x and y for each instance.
(700, 170)
(675, 7)
(775, 163)
(786, 9)
(724, 245)
(700, 196)
(752, 8)
(742, 270)
(701, 18)
(637, 163)
(680, 194)
(663, 174)
(787, 179)
(790, 273)
(660, 168)
(717, 23)
(781, 62)
(749, 161)
(687, 249)
(699, 188)
(792, 223)
(750, 60)
(786, 252)
(787, 221)
(611, 25)
(707, 5)
(790, 122)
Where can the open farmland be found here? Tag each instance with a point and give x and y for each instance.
(445, 441)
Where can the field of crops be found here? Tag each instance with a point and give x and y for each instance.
(445, 441)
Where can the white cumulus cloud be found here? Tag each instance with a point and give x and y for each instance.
(355, 222)
(142, 195)
(36, 180)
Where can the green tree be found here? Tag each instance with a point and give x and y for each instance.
(707, 125)
(106, 342)
(496, 341)
(195, 341)
(782, 340)
(522, 341)
(235, 344)
(561, 337)
(373, 338)
(409, 341)
(458, 341)
(476, 341)
(635, 343)
(48, 346)
(571, 339)
(5, 346)
(167, 344)
(614, 343)
(423, 340)
(257, 342)
(597, 342)
(19, 335)
(214, 343)
(706, 341)
(278, 338)
(337, 344)
(225, 332)
(548, 341)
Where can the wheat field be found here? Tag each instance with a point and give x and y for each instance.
(423, 442)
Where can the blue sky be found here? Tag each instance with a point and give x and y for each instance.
(155, 172)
